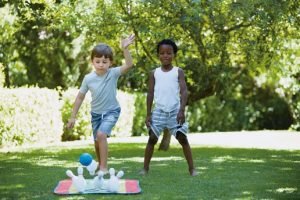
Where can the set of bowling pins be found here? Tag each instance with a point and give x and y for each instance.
(80, 183)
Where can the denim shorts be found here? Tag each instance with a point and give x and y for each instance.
(104, 122)
(161, 120)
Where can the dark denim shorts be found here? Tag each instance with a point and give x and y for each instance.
(104, 122)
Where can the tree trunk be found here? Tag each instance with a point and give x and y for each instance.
(165, 142)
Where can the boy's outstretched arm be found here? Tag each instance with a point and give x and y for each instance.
(78, 101)
(128, 59)
(183, 97)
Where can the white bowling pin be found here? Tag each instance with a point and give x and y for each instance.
(92, 167)
(120, 174)
(81, 181)
(99, 180)
(112, 184)
(77, 181)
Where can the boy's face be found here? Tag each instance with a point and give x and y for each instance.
(166, 54)
(101, 65)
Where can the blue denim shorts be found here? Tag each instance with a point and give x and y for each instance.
(161, 120)
(104, 122)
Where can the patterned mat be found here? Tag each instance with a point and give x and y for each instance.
(126, 186)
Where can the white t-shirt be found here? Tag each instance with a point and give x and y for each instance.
(103, 90)
(166, 89)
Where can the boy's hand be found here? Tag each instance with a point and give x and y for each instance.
(71, 123)
(180, 117)
(148, 121)
(127, 41)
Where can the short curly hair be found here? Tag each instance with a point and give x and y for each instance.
(168, 42)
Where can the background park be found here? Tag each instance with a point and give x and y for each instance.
(242, 65)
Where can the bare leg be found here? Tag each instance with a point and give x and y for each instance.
(182, 139)
(149, 152)
(97, 151)
(103, 150)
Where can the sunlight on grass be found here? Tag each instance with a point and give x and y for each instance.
(221, 159)
(284, 190)
(286, 169)
(51, 162)
(287, 161)
(171, 158)
(13, 157)
(141, 159)
(202, 168)
(251, 160)
(246, 192)
(230, 158)
(122, 160)
(16, 186)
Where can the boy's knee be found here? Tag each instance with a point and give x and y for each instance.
(152, 138)
(101, 136)
(182, 139)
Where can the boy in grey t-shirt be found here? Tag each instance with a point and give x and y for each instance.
(102, 83)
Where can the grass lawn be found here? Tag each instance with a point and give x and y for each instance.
(224, 173)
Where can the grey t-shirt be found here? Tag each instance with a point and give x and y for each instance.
(103, 90)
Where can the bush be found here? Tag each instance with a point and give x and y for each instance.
(29, 115)
(139, 128)
(2, 75)
(125, 123)
(296, 115)
(82, 128)
(213, 114)
(263, 111)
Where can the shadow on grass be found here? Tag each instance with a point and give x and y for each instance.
(224, 173)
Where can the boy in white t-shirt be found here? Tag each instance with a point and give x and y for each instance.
(102, 83)
(167, 87)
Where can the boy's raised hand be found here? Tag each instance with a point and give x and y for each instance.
(127, 41)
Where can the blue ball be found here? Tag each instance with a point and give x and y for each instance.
(85, 159)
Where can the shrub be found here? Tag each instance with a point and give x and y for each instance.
(29, 115)
(263, 111)
(139, 127)
(2, 75)
(125, 123)
(82, 128)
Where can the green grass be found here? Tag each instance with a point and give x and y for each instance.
(224, 173)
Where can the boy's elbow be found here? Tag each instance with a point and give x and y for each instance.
(129, 65)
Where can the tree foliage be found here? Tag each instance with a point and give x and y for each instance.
(233, 49)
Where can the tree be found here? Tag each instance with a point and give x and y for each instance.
(221, 43)
(216, 37)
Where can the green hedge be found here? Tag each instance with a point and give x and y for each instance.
(82, 129)
(214, 114)
(295, 107)
(29, 115)
(139, 128)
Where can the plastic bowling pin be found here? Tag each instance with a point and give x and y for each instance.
(113, 182)
(82, 181)
(92, 167)
(120, 174)
(78, 181)
(99, 180)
